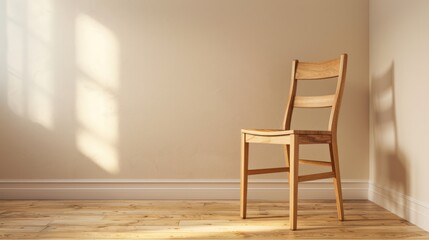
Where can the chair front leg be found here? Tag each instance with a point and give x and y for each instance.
(293, 182)
(337, 179)
(244, 175)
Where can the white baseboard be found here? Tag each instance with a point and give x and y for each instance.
(273, 189)
(402, 205)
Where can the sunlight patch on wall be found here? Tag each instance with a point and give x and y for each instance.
(96, 110)
(40, 63)
(29, 59)
(97, 52)
(98, 150)
(15, 58)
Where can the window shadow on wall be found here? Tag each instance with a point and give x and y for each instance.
(390, 163)
(60, 74)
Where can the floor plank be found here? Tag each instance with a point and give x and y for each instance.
(136, 219)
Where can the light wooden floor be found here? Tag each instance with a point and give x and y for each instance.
(133, 219)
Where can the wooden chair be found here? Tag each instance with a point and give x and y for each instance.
(291, 139)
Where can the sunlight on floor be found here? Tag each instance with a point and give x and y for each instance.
(225, 228)
(97, 53)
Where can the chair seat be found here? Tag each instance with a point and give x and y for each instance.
(279, 132)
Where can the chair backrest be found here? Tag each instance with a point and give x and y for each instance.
(302, 71)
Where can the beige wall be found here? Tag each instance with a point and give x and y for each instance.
(399, 94)
(160, 89)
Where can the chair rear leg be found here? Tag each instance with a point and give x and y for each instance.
(244, 175)
(293, 182)
(337, 179)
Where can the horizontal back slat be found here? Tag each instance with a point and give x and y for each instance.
(314, 101)
(320, 70)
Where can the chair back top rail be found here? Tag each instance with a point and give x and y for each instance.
(318, 70)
